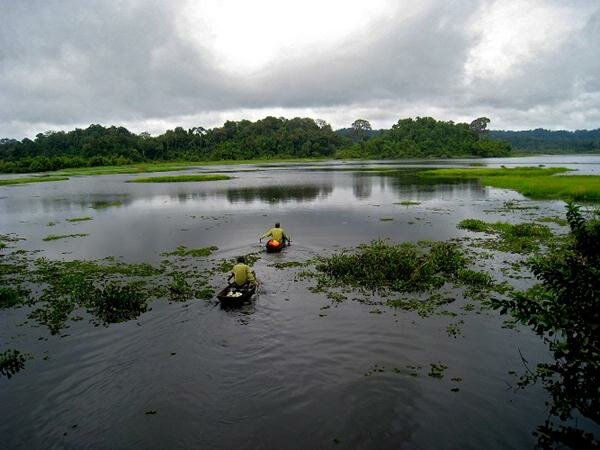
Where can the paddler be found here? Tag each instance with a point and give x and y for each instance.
(243, 276)
(277, 234)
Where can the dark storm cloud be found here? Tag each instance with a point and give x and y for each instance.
(67, 63)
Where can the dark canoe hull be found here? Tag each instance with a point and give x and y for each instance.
(246, 295)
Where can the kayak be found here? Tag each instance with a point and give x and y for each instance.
(274, 246)
(233, 295)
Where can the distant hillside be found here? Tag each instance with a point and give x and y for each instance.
(541, 140)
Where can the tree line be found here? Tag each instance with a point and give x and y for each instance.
(541, 140)
(269, 138)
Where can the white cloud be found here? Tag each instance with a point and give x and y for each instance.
(152, 65)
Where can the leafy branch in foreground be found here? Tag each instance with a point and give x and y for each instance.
(564, 308)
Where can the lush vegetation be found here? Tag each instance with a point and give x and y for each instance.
(548, 141)
(427, 137)
(534, 182)
(564, 308)
(11, 361)
(269, 138)
(512, 238)
(181, 178)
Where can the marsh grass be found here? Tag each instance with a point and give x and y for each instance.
(55, 237)
(533, 182)
(182, 251)
(9, 297)
(512, 238)
(553, 219)
(181, 178)
(115, 303)
(408, 203)
(26, 180)
(11, 362)
(106, 204)
(79, 219)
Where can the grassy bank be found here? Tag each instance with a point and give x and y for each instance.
(25, 180)
(533, 182)
(181, 178)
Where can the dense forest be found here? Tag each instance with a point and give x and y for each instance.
(541, 140)
(269, 138)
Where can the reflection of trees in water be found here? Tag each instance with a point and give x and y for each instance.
(279, 194)
(362, 186)
(407, 182)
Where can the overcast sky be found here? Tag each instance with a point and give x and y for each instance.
(151, 65)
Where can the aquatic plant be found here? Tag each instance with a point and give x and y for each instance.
(118, 303)
(179, 287)
(9, 297)
(106, 204)
(564, 308)
(407, 203)
(79, 219)
(473, 225)
(181, 178)
(194, 252)
(404, 267)
(513, 238)
(11, 362)
(55, 237)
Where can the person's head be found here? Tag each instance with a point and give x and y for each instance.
(241, 259)
(277, 225)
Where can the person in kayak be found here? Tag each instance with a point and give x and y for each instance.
(277, 234)
(243, 276)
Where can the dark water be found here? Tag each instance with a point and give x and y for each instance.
(281, 372)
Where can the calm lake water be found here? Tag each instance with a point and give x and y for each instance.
(290, 370)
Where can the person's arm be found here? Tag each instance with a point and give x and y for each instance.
(231, 275)
(267, 234)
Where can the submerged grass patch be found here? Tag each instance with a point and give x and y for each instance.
(106, 204)
(79, 219)
(407, 203)
(194, 252)
(9, 297)
(11, 362)
(513, 238)
(25, 180)
(534, 182)
(55, 237)
(181, 178)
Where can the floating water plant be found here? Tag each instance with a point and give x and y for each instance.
(114, 303)
(79, 219)
(9, 297)
(181, 178)
(513, 238)
(407, 203)
(55, 237)
(106, 204)
(11, 362)
(194, 252)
